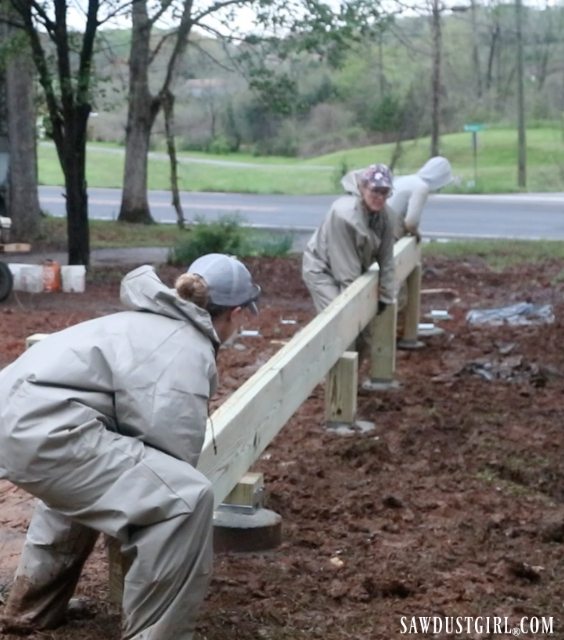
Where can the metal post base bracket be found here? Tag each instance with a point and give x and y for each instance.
(350, 428)
(380, 385)
(410, 345)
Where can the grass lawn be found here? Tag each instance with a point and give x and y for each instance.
(496, 167)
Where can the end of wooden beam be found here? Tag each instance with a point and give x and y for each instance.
(248, 492)
(36, 337)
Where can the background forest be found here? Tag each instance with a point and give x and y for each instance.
(295, 78)
(264, 99)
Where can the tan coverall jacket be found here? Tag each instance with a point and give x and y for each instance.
(348, 242)
(104, 423)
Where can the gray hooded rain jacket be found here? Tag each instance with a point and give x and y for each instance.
(104, 423)
(411, 192)
(348, 242)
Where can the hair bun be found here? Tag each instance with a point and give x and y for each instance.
(192, 287)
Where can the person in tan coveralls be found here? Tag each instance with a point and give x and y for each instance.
(104, 422)
(357, 231)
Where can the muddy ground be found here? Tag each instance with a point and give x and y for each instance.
(452, 506)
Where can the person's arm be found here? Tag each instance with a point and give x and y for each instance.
(343, 251)
(386, 263)
(415, 205)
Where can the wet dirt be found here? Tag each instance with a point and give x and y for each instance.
(452, 506)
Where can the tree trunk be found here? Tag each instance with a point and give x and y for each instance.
(135, 202)
(24, 201)
(143, 108)
(167, 101)
(436, 78)
(73, 154)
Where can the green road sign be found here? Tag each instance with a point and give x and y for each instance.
(473, 127)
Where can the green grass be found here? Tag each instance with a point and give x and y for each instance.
(496, 165)
(111, 234)
(499, 254)
(226, 235)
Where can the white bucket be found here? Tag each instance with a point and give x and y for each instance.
(74, 278)
(31, 278)
(16, 270)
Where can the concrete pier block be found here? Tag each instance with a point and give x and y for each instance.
(238, 530)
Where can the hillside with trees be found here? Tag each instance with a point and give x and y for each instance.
(269, 99)
(269, 77)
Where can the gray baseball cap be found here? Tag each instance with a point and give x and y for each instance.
(229, 282)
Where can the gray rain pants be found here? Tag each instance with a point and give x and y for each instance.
(159, 508)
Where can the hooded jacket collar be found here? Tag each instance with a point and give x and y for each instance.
(142, 290)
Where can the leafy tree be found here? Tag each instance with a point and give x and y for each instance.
(144, 105)
(308, 25)
(63, 59)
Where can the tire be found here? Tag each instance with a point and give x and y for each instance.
(6, 281)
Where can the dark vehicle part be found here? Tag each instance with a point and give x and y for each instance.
(6, 281)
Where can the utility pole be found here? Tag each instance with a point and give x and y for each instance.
(436, 76)
(522, 143)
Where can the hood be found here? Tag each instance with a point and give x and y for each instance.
(436, 172)
(349, 182)
(142, 290)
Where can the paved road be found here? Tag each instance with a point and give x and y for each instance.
(530, 216)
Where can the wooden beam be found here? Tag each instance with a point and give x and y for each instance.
(251, 417)
(35, 337)
(341, 388)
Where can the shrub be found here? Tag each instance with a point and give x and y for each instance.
(226, 235)
(223, 236)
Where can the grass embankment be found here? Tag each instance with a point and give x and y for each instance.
(496, 165)
(111, 234)
(223, 236)
(497, 253)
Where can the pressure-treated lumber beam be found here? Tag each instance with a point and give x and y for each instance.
(246, 423)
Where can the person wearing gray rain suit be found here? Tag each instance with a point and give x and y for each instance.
(412, 191)
(356, 232)
(104, 423)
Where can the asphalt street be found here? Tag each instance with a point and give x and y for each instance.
(525, 216)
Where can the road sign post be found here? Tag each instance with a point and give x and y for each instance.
(474, 128)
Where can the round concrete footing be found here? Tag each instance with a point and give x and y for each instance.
(258, 530)
(410, 345)
(350, 428)
(380, 385)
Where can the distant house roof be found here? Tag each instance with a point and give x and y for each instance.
(205, 86)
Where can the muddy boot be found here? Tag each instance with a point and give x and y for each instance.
(30, 608)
